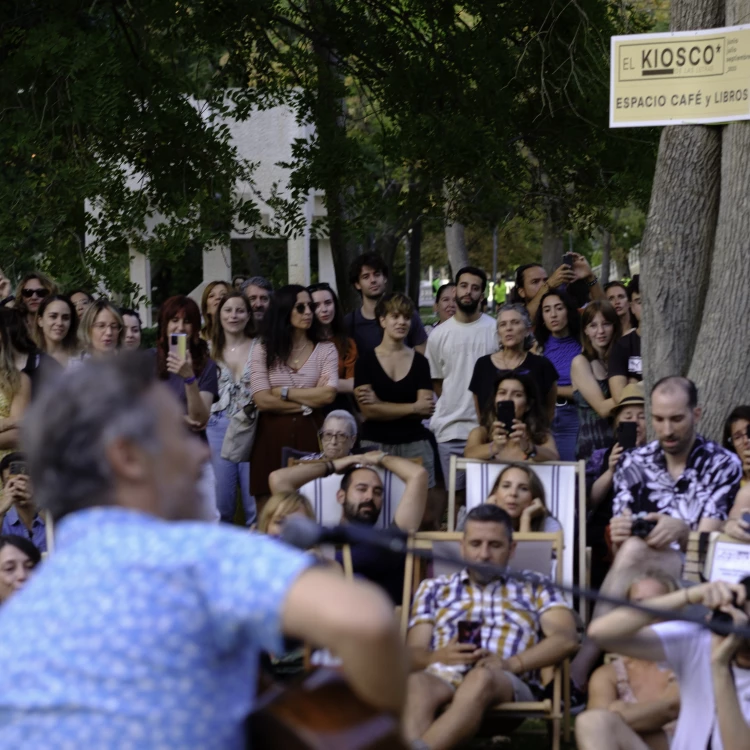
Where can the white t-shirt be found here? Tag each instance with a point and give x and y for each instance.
(688, 651)
(452, 351)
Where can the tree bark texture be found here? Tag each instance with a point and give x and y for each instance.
(695, 281)
(553, 242)
(455, 243)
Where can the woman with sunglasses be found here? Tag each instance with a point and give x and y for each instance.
(30, 292)
(331, 319)
(213, 294)
(57, 328)
(294, 377)
(231, 345)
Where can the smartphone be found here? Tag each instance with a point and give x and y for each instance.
(470, 631)
(178, 344)
(626, 434)
(568, 259)
(17, 468)
(506, 413)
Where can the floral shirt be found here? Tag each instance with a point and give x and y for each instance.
(233, 394)
(706, 488)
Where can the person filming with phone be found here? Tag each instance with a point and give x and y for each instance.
(476, 641)
(514, 425)
(663, 490)
(21, 516)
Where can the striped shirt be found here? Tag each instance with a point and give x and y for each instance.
(510, 611)
(321, 368)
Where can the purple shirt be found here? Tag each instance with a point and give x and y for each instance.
(12, 524)
(208, 381)
(561, 352)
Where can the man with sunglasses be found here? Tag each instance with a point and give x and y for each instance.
(368, 274)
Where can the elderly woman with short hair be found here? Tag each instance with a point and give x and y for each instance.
(337, 437)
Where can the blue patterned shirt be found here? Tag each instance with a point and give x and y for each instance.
(12, 524)
(141, 633)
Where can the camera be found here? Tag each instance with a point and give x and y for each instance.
(642, 527)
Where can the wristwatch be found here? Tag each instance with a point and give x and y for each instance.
(306, 411)
(531, 454)
(285, 393)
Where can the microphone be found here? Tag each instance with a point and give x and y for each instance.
(303, 533)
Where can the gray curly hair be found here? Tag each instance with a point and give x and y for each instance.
(517, 307)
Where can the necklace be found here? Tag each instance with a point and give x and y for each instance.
(295, 360)
(504, 360)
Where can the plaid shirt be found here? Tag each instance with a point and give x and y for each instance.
(510, 610)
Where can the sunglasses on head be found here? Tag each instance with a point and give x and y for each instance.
(29, 293)
(301, 306)
(323, 286)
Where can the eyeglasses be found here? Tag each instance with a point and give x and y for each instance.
(323, 286)
(326, 436)
(740, 437)
(300, 308)
(29, 293)
(114, 327)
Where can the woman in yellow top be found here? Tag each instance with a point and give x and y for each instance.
(15, 394)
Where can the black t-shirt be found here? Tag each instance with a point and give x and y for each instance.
(368, 334)
(625, 358)
(369, 371)
(41, 369)
(378, 565)
(539, 369)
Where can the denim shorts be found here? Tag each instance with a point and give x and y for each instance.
(418, 449)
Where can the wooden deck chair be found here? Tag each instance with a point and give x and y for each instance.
(727, 559)
(322, 495)
(536, 552)
(561, 479)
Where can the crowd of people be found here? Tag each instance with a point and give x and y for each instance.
(555, 375)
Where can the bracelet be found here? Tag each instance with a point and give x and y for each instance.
(593, 282)
(330, 469)
(190, 380)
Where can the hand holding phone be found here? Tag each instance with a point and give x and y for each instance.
(569, 259)
(470, 631)
(178, 344)
(17, 468)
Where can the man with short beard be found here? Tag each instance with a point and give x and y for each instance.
(452, 351)
(361, 500)
(678, 483)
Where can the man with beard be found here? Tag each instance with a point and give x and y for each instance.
(368, 274)
(361, 500)
(676, 484)
(452, 351)
(258, 292)
(506, 618)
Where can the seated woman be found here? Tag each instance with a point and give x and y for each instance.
(529, 438)
(632, 703)
(18, 557)
(337, 437)
(520, 493)
(279, 507)
(737, 437)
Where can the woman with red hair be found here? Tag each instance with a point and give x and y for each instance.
(192, 378)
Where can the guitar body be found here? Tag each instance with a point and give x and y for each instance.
(320, 713)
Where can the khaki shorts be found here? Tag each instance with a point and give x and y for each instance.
(454, 676)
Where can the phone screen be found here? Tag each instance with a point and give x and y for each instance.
(626, 434)
(470, 631)
(17, 468)
(506, 413)
(178, 344)
(568, 259)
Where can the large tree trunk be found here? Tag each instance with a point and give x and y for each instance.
(553, 243)
(695, 287)
(415, 262)
(455, 243)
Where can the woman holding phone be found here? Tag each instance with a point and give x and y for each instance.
(182, 360)
(588, 373)
(514, 425)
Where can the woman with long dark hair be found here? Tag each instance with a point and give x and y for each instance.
(30, 292)
(529, 437)
(192, 378)
(589, 376)
(231, 345)
(294, 377)
(15, 393)
(18, 557)
(558, 332)
(737, 437)
(331, 320)
(56, 332)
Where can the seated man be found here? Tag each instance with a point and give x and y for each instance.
(361, 499)
(510, 614)
(337, 436)
(21, 518)
(713, 671)
(634, 699)
(680, 482)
